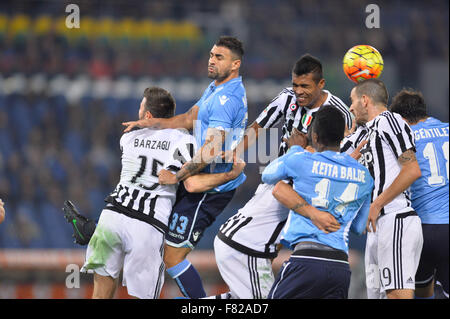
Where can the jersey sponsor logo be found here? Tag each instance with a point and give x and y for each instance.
(154, 145)
(223, 99)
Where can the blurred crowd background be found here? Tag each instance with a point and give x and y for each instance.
(64, 92)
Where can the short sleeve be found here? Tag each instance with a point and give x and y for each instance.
(349, 143)
(397, 133)
(273, 112)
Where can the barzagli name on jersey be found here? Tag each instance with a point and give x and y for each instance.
(154, 145)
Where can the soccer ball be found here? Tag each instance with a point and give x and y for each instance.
(362, 62)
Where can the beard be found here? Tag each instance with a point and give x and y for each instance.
(215, 75)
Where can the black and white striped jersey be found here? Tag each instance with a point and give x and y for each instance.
(255, 229)
(285, 107)
(388, 136)
(144, 153)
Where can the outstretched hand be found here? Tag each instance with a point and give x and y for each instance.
(356, 154)
(238, 166)
(374, 212)
(139, 123)
(166, 177)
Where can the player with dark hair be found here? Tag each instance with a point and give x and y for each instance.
(247, 242)
(394, 240)
(429, 193)
(218, 120)
(131, 229)
(331, 182)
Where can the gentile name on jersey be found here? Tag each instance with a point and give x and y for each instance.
(338, 171)
(154, 145)
(430, 133)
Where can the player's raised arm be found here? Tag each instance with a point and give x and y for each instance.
(212, 148)
(249, 138)
(184, 120)
(204, 182)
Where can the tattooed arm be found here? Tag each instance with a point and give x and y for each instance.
(204, 156)
(185, 120)
(203, 182)
(409, 172)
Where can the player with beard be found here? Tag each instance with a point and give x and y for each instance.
(218, 120)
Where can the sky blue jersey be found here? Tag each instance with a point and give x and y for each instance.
(223, 107)
(330, 181)
(429, 193)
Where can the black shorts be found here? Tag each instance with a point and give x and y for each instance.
(310, 277)
(434, 257)
(192, 214)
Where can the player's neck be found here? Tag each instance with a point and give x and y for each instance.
(419, 121)
(232, 76)
(375, 110)
(320, 100)
(323, 148)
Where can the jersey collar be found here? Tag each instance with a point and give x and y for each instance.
(214, 87)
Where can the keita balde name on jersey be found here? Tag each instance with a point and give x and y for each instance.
(338, 171)
(152, 144)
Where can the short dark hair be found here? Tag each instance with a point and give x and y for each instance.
(308, 64)
(159, 102)
(329, 125)
(410, 104)
(233, 44)
(373, 88)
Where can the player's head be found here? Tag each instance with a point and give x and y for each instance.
(307, 80)
(327, 128)
(225, 58)
(410, 104)
(157, 103)
(367, 94)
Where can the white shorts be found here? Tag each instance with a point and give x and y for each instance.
(392, 254)
(120, 242)
(247, 277)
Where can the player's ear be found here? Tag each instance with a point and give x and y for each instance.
(365, 100)
(321, 83)
(148, 115)
(314, 138)
(236, 64)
